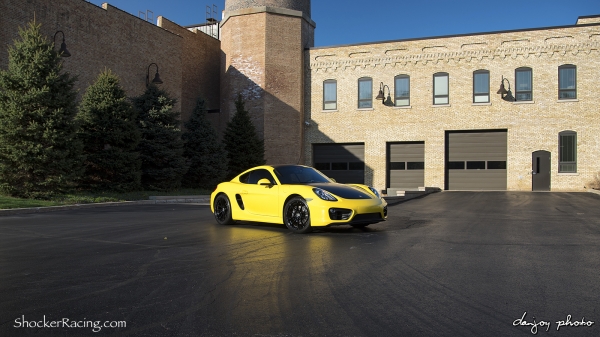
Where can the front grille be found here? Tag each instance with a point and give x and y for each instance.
(340, 213)
(367, 217)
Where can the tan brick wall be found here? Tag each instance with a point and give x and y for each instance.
(531, 126)
(108, 37)
(263, 60)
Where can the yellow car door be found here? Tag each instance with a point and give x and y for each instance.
(261, 194)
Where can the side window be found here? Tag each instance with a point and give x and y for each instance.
(402, 90)
(567, 82)
(440, 89)
(330, 95)
(365, 93)
(256, 175)
(523, 84)
(567, 152)
(481, 86)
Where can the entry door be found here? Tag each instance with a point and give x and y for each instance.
(540, 170)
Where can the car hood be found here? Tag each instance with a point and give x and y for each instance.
(343, 191)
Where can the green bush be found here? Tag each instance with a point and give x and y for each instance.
(203, 151)
(110, 137)
(161, 146)
(40, 154)
(244, 148)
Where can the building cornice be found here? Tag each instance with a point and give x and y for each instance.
(351, 59)
(270, 10)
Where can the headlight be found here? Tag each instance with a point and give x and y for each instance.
(374, 192)
(324, 194)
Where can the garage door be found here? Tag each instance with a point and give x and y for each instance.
(476, 160)
(343, 162)
(406, 165)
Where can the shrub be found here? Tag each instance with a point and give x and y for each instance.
(40, 155)
(110, 137)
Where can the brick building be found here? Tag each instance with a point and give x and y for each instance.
(440, 122)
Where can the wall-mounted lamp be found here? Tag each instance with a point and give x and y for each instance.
(505, 94)
(381, 96)
(156, 79)
(63, 46)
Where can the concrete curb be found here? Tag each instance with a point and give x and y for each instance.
(162, 200)
(591, 190)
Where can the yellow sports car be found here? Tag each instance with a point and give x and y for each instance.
(298, 196)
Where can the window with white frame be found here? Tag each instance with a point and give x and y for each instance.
(481, 86)
(330, 95)
(365, 93)
(440, 89)
(567, 82)
(402, 90)
(523, 84)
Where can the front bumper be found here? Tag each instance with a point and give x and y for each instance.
(347, 212)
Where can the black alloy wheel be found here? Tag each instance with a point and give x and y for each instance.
(296, 215)
(222, 208)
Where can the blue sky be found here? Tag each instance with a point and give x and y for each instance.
(352, 21)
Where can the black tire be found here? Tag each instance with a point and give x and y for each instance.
(222, 208)
(296, 216)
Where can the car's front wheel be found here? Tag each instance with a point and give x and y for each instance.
(222, 208)
(296, 215)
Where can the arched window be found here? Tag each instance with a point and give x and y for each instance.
(330, 95)
(523, 84)
(440, 89)
(402, 90)
(567, 152)
(567, 82)
(365, 93)
(481, 86)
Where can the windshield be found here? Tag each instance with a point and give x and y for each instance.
(299, 175)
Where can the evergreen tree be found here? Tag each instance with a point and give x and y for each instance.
(161, 147)
(244, 148)
(203, 150)
(110, 137)
(40, 155)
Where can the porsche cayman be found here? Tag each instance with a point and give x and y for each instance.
(298, 196)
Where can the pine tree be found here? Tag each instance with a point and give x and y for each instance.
(161, 146)
(203, 150)
(244, 148)
(110, 137)
(40, 155)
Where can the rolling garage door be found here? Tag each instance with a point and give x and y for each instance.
(343, 162)
(476, 160)
(406, 165)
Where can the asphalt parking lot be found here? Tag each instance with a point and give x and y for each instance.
(449, 264)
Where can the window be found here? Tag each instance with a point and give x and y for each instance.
(365, 93)
(440, 89)
(402, 90)
(523, 84)
(253, 177)
(481, 86)
(330, 95)
(567, 152)
(567, 82)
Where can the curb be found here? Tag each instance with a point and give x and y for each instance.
(162, 200)
(591, 190)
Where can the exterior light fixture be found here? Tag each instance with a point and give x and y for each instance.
(381, 96)
(505, 94)
(63, 52)
(156, 79)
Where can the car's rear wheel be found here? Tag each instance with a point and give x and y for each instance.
(222, 208)
(296, 215)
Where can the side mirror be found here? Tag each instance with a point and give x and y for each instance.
(264, 181)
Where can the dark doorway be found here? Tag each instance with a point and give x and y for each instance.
(540, 170)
